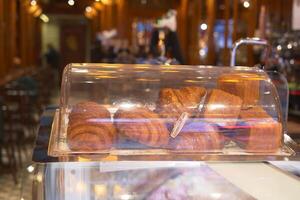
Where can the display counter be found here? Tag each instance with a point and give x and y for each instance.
(165, 180)
(165, 132)
(52, 179)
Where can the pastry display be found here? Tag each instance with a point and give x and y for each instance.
(244, 85)
(173, 102)
(142, 125)
(167, 112)
(222, 107)
(198, 136)
(260, 132)
(90, 128)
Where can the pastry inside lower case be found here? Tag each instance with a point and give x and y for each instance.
(222, 108)
(91, 128)
(258, 131)
(173, 102)
(244, 85)
(198, 135)
(136, 128)
(143, 126)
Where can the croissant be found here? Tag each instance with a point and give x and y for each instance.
(244, 85)
(199, 136)
(173, 102)
(261, 133)
(90, 128)
(88, 109)
(143, 126)
(222, 108)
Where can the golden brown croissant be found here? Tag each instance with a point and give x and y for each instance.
(143, 126)
(261, 133)
(90, 128)
(198, 136)
(244, 85)
(88, 109)
(222, 107)
(173, 102)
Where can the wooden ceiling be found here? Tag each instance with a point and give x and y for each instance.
(62, 7)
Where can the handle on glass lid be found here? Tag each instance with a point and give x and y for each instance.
(248, 41)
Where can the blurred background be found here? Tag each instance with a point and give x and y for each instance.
(204, 30)
(39, 37)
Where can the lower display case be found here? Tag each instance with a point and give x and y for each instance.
(125, 177)
(164, 180)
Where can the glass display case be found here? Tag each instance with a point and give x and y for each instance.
(167, 111)
(155, 132)
(158, 180)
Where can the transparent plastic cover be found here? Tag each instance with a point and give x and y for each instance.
(145, 109)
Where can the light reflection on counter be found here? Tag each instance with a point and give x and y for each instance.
(147, 80)
(100, 190)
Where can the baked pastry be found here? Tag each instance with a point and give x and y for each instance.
(173, 102)
(222, 108)
(86, 110)
(198, 136)
(90, 128)
(244, 85)
(142, 125)
(261, 133)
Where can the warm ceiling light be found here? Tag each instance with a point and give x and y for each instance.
(88, 9)
(71, 2)
(106, 2)
(279, 47)
(246, 4)
(33, 2)
(203, 26)
(97, 5)
(97, 0)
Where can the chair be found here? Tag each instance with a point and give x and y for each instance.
(7, 147)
